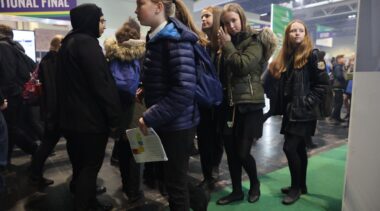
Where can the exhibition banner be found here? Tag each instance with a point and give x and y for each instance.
(56, 9)
(280, 17)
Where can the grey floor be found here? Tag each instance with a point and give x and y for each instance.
(267, 152)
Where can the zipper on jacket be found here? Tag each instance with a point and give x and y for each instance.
(250, 84)
(231, 101)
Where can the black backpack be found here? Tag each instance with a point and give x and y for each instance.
(326, 105)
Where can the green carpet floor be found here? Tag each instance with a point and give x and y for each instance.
(325, 185)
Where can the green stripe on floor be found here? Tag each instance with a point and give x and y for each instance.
(325, 186)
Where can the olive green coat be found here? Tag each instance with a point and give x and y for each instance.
(243, 65)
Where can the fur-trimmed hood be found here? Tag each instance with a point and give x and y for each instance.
(126, 51)
(269, 41)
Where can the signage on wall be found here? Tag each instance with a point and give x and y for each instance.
(55, 9)
(280, 17)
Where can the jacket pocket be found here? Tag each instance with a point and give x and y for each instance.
(299, 112)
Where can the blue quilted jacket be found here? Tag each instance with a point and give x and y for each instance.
(169, 79)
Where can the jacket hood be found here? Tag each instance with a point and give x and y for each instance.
(126, 51)
(269, 41)
(85, 19)
(264, 36)
(176, 30)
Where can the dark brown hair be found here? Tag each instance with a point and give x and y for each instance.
(6, 31)
(129, 30)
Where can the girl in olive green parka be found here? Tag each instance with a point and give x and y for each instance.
(243, 56)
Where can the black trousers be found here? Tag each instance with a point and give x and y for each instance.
(129, 169)
(86, 152)
(295, 151)
(210, 143)
(238, 149)
(177, 145)
(50, 140)
(338, 103)
(17, 136)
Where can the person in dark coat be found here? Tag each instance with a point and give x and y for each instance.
(88, 103)
(241, 66)
(14, 73)
(339, 85)
(210, 143)
(124, 55)
(303, 83)
(47, 75)
(169, 84)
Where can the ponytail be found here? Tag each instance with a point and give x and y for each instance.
(183, 15)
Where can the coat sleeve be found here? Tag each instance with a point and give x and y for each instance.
(101, 82)
(319, 81)
(241, 61)
(182, 86)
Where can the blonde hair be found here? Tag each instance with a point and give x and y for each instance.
(216, 14)
(55, 43)
(182, 14)
(301, 53)
(236, 8)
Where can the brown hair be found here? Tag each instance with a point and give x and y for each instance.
(129, 30)
(216, 14)
(55, 43)
(6, 31)
(236, 8)
(182, 14)
(301, 52)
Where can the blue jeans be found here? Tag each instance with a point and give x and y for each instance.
(3, 141)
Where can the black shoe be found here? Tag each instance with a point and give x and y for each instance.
(286, 190)
(230, 198)
(40, 181)
(253, 196)
(291, 197)
(100, 206)
(207, 184)
(100, 189)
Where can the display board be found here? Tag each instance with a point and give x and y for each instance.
(28, 40)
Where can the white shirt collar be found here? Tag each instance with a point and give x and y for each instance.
(158, 29)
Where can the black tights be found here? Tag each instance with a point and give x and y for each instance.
(238, 156)
(295, 151)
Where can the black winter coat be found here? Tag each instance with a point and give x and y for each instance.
(47, 74)
(302, 90)
(14, 71)
(87, 95)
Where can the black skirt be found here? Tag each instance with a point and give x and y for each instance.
(244, 122)
(303, 129)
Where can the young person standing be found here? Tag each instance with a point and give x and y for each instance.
(169, 83)
(303, 83)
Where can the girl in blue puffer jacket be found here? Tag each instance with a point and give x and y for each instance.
(169, 84)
